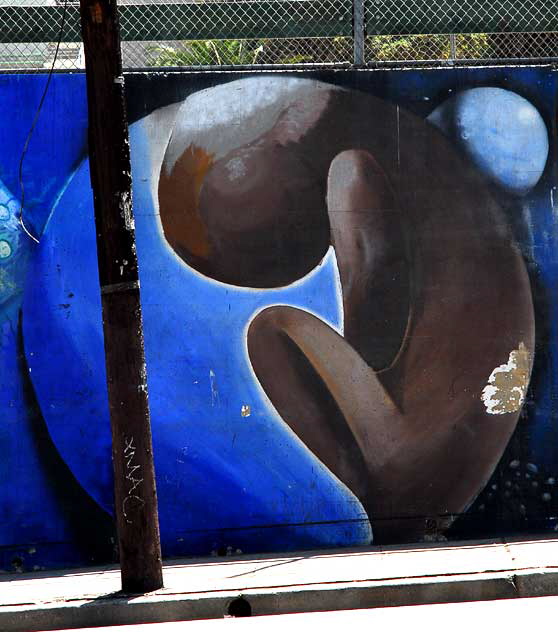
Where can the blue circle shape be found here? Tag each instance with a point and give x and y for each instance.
(500, 131)
(224, 478)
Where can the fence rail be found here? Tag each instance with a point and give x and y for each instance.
(287, 32)
(460, 16)
(187, 21)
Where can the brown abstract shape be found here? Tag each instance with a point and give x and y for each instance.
(179, 204)
(367, 230)
(435, 295)
(261, 209)
(418, 427)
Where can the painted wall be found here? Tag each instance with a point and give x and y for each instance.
(348, 285)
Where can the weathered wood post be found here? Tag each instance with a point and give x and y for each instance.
(109, 163)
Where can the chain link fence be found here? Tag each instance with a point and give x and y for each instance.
(460, 31)
(248, 33)
(461, 48)
(22, 43)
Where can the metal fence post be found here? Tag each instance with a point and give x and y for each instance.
(453, 46)
(358, 32)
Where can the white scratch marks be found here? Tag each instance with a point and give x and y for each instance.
(214, 391)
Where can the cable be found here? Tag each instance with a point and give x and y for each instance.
(34, 123)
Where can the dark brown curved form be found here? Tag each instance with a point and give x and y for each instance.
(435, 296)
(370, 240)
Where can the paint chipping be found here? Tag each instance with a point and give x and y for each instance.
(507, 384)
(245, 410)
(127, 211)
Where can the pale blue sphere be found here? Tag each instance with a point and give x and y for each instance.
(500, 131)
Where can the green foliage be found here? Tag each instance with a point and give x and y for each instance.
(426, 47)
(296, 59)
(236, 52)
(252, 52)
(209, 53)
(473, 46)
(403, 48)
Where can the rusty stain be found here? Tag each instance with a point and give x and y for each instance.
(507, 384)
(96, 13)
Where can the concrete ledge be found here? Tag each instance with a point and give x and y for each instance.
(297, 583)
(517, 614)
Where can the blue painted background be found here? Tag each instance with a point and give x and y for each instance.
(224, 480)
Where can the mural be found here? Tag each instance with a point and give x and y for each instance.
(347, 294)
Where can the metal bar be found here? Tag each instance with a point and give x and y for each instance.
(461, 16)
(187, 21)
(109, 163)
(453, 46)
(358, 32)
(287, 18)
(544, 62)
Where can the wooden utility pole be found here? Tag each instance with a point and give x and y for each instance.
(109, 162)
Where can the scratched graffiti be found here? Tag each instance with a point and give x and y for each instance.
(346, 288)
(133, 472)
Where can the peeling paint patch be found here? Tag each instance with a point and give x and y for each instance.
(507, 384)
(245, 410)
(126, 206)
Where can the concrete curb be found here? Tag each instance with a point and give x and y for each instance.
(158, 608)
(184, 601)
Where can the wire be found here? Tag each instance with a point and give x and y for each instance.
(34, 123)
